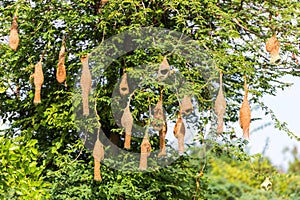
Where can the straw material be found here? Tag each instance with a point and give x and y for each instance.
(98, 154)
(272, 46)
(38, 82)
(186, 105)
(61, 69)
(124, 88)
(98, 151)
(164, 70)
(158, 115)
(14, 36)
(103, 2)
(245, 114)
(86, 84)
(97, 173)
(127, 122)
(162, 140)
(145, 152)
(179, 133)
(220, 107)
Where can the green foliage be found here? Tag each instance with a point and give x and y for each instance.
(39, 147)
(20, 173)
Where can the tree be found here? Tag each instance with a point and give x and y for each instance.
(232, 33)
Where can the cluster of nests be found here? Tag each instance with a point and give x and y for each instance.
(159, 121)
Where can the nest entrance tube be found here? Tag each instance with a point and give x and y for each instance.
(98, 154)
(127, 122)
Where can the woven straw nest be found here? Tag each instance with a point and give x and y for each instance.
(179, 133)
(14, 36)
(145, 152)
(38, 81)
(272, 46)
(85, 84)
(124, 88)
(186, 105)
(245, 115)
(158, 116)
(61, 69)
(163, 70)
(220, 107)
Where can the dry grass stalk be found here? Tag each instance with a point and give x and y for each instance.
(98, 154)
(86, 84)
(38, 81)
(179, 133)
(145, 152)
(163, 70)
(162, 140)
(220, 107)
(186, 105)
(14, 36)
(61, 69)
(127, 122)
(124, 88)
(272, 46)
(245, 114)
(158, 115)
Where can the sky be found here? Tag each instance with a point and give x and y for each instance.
(286, 107)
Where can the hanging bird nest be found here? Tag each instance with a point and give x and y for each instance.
(163, 70)
(98, 154)
(186, 105)
(61, 69)
(272, 46)
(220, 107)
(38, 80)
(14, 36)
(145, 152)
(158, 116)
(162, 140)
(127, 122)
(179, 133)
(245, 114)
(124, 88)
(86, 84)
